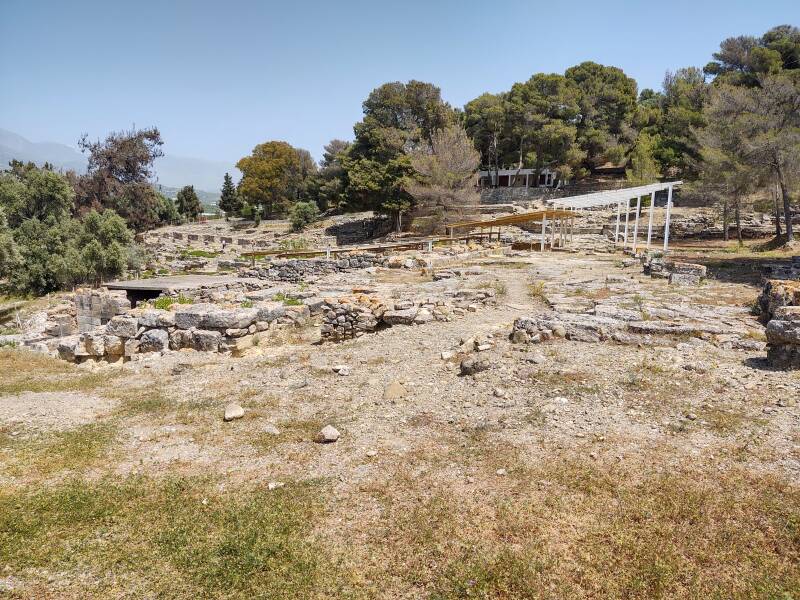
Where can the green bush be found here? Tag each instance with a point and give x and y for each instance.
(165, 302)
(302, 214)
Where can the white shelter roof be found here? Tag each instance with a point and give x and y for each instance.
(609, 197)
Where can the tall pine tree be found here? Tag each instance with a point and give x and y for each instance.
(229, 200)
(188, 203)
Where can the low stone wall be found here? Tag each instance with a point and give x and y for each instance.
(352, 316)
(356, 232)
(783, 338)
(784, 269)
(678, 273)
(299, 270)
(204, 327)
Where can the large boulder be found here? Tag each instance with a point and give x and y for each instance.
(115, 345)
(180, 339)
(777, 293)
(95, 343)
(271, 311)
(71, 347)
(400, 317)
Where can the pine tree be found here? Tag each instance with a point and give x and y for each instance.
(188, 203)
(229, 200)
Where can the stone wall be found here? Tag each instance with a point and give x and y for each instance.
(94, 308)
(204, 327)
(356, 232)
(299, 270)
(352, 316)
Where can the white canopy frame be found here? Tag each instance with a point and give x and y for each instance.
(625, 195)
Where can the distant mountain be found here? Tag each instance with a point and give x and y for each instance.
(172, 171)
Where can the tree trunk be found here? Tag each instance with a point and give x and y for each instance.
(777, 212)
(725, 219)
(738, 217)
(787, 209)
(496, 162)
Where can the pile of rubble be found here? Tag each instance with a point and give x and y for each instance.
(678, 273)
(204, 327)
(352, 316)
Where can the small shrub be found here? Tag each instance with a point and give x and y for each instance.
(165, 302)
(303, 214)
(294, 244)
(536, 290)
(247, 304)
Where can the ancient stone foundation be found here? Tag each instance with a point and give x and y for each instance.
(204, 327)
(783, 338)
(352, 316)
(678, 273)
(296, 271)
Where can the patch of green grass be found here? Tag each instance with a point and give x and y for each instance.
(247, 304)
(176, 538)
(164, 302)
(281, 297)
(198, 254)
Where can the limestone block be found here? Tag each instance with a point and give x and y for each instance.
(206, 341)
(180, 339)
(400, 317)
(154, 340)
(71, 348)
(115, 345)
(685, 279)
(190, 316)
(123, 326)
(95, 343)
(131, 347)
(683, 268)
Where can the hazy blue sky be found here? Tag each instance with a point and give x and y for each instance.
(219, 77)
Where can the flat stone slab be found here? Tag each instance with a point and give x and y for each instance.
(174, 283)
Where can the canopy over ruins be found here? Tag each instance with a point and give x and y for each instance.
(561, 216)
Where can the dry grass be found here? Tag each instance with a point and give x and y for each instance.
(25, 371)
(48, 454)
(584, 531)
